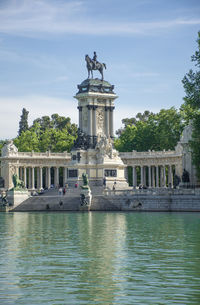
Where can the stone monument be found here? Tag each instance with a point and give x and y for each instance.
(93, 152)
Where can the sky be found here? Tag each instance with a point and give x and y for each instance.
(146, 44)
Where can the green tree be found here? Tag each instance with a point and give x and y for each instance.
(191, 107)
(151, 131)
(23, 123)
(55, 133)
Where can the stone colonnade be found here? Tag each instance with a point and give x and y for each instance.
(153, 176)
(35, 177)
(92, 120)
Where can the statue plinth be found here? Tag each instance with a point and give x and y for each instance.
(16, 196)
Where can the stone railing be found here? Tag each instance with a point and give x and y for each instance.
(153, 191)
(32, 154)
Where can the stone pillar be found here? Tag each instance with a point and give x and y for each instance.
(29, 178)
(157, 176)
(95, 125)
(33, 178)
(56, 176)
(164, 176)
(25, 179)
(80, 117)
(153, 176)
(64, 176)
(90, 107)
(111, 121)
(48, 177)
(38, 177)
(41, 179)
(107, 120)
(170, 176)
(142, 175)
(149, 176)
(134, 177)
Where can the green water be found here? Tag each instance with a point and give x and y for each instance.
(99, 258)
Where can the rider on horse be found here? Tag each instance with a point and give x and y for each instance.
(94, 60)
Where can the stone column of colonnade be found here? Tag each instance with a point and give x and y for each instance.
(157, 175)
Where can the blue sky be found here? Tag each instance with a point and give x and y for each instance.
(146, 45)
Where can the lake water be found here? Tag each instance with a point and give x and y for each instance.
(99, 258)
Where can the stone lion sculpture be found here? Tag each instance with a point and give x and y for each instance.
(18, 184)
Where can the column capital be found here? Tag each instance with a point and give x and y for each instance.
(112, 108)
(89, 107)
(80, 108)
(95, 107)
(107, 108)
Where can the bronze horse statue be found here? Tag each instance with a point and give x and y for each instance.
(91, 65)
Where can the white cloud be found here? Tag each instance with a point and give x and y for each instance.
(37, 106)
(31, 18)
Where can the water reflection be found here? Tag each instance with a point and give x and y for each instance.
(99, 258)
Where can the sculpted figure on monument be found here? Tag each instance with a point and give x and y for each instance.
(18, 184)
(81, 141)
(93, 64)
(9, 147)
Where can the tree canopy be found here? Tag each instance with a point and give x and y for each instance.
(155, 131)
(191, 107)
(23, 123)
(55, 133)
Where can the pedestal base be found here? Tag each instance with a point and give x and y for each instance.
(15, 197)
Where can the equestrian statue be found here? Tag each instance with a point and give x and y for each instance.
(93, 64)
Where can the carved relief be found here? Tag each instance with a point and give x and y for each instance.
(100, 121)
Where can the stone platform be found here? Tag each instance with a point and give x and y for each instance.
(107, 200)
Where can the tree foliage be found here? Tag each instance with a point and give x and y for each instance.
(155, 131)
(191, 107)
(23, 123)
(55, 133)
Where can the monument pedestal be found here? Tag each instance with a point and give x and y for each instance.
(15, 197)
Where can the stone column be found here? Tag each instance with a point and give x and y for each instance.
(25, 179)
(80, 116)
(90, 107)
(48, 177)
(142, 175)
(29, 178)
(64, 175)
(38, 177)
(149, 176)
(153, 176)
(56, 176)
(134, 176)
(95, 125)
(33, 178)
(157, 176)
(164, 176)
(41, 179)
(170, 176)
(111, 121)
(107, 120)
